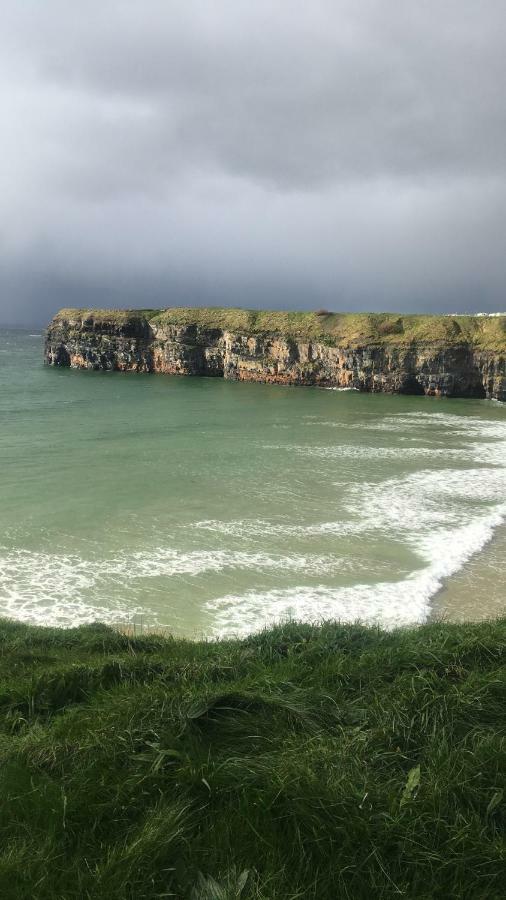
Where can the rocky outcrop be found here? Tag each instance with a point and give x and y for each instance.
(396, 363)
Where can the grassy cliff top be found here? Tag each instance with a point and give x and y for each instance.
(303, 762)
(346, 329)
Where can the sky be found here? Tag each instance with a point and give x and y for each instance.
(284, 154)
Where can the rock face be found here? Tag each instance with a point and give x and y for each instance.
(142, 342)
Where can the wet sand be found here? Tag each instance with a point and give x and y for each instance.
(478, 591)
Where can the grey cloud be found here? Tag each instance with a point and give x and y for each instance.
(270, 153)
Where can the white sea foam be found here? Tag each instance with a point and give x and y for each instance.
(445, 515)
(438, 423)
(166, 562)
(388, 603)
(424, 499)
(360, 452)
(33, 584)
(406, 504)
(467, 426)
(442, 515)
(484, 440)
(50, 589)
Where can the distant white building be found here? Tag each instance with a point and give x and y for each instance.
(477, 315)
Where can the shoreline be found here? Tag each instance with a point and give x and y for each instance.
(476, 592)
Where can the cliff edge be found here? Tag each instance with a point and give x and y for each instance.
(455, 356)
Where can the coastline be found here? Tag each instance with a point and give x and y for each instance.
(476, 592)
(450, 356)
(334, 467)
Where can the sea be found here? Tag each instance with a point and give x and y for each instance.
(213, 508)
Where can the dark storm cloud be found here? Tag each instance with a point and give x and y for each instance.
(269, 153)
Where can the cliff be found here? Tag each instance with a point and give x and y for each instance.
(458, 356)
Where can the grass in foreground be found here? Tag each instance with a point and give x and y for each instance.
(303, 762)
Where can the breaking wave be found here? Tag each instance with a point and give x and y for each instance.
(390, 603)
(427, 506)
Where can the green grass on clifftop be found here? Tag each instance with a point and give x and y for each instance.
(303, 762)
(344, 329)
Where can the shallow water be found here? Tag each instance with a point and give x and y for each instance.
(213, 507)
(478, 590)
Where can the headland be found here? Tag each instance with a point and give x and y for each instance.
(454, 356)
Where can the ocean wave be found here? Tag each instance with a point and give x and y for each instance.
(459, 425)
(49, 589)
(424, 499)
(56, 589)
(167, 562)
(480, 443)
(391, 604)
(439, 516)
(428, 507)
(357, 451)
(398, 505)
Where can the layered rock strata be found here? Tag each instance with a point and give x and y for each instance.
(149, 342)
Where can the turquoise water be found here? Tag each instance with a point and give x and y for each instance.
(213, 507)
